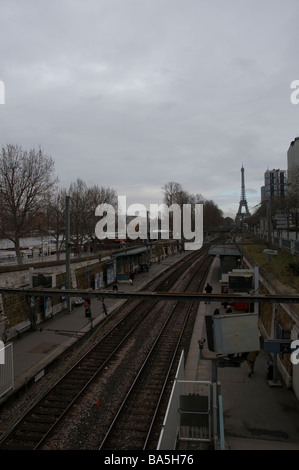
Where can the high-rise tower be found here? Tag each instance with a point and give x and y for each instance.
(293, 154)
(243, 203)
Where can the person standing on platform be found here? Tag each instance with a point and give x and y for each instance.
(251, 358)
(87, 307)
(209, 290)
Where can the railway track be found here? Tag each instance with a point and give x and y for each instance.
(36, 427)
(137, 421)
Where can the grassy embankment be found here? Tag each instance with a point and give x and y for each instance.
(277, 270)
(279, 266)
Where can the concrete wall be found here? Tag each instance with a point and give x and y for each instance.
(15, 307)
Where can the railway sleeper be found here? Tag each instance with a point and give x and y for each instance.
(138, 410)
(148, 403)
(150, 393)
(85, 374)
(67, 393)
(135, 425)
(133, 441)
(29, 436)
(97, 358)
(90, 365)
(77, 384)
(58, 399)
(47, 411)
(41, 419)
(34, 428)
(70, 390)
(57, 404)
(14, 446)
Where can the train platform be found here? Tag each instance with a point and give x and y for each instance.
(35, 350)
(257, 416)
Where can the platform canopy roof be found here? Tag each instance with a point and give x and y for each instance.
(134, 251)
(224, 250)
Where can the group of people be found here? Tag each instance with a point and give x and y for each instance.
(209, 290)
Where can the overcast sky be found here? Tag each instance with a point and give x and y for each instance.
(132, 94)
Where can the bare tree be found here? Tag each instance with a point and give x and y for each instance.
(175, 194)
(78, 193)
(83, 202)
(98, 195)
(26, 179)
(56, 219)
(172, 193)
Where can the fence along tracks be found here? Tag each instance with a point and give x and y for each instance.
(32, 430)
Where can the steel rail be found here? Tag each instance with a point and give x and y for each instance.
(145, 295)
(148, 358)
(143, 366)
(172, 362)
(49, 390)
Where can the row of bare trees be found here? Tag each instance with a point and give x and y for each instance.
(83, 202)
(32, 204)
(173, 193)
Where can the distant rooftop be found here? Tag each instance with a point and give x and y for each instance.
(224, 250)
(293, 141)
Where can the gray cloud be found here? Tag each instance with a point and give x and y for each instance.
(132, 94)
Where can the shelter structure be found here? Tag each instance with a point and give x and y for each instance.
(230, 258)
(130, 261)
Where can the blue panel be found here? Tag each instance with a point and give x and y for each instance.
(277, 346)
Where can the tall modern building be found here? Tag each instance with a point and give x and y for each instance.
(275, 184)
(293, 154)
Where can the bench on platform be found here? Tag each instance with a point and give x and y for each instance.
(20, 327)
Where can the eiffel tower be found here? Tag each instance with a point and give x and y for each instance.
(243, 203)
